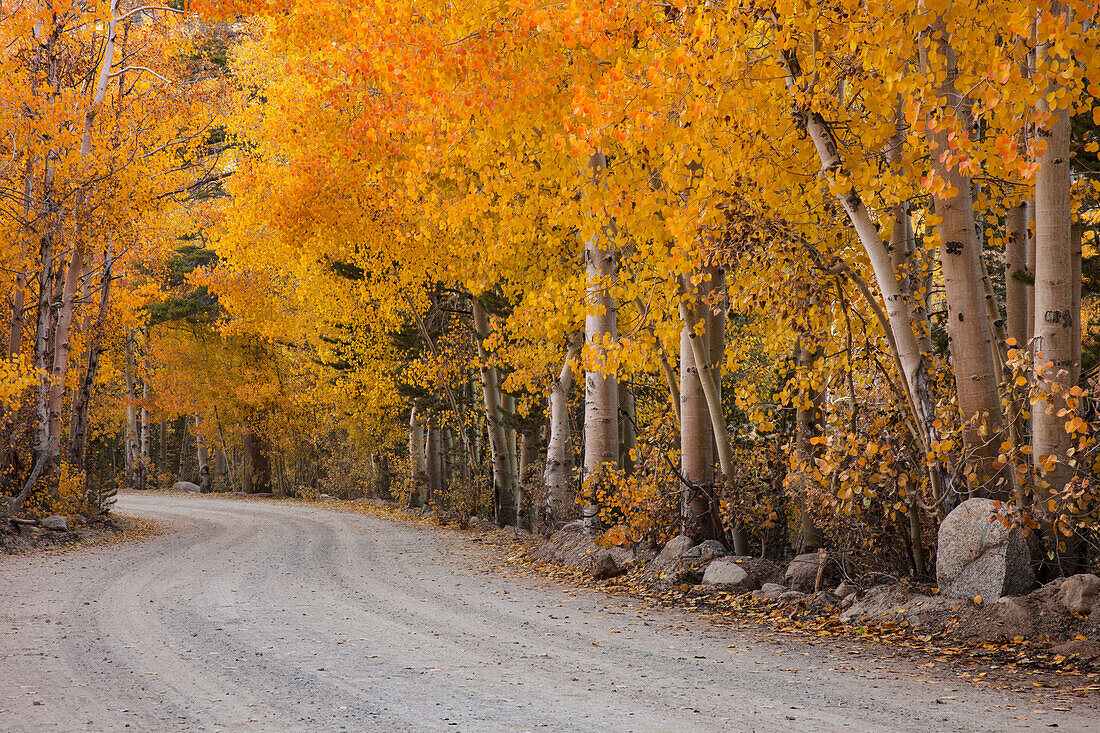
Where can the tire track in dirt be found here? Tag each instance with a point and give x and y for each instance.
(270, 616)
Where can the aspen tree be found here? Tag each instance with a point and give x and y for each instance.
(697, 503)
(1056, 355)
(505, 485)
(558, 470)
(1016, 273)
(968, 326)
(417, 464)
(601, 390)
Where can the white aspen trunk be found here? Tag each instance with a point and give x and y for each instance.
(903, 336)
(220, 465)
(701, 356)
(417, 463)
(62, 347)
(528, 451)
(162, 446)
(628, 434)
(450, 478)
(696, 439)
(475, 428)
(435, 464)
(508, 416)
(78, 427)
(968, 323)
(718, 304)
(716, 324)
(601, 393)
(42, 352)
(920, 298)
(145, 462)
(62, 331)
(1077, 234)
(203, 460)
(558, 470)
(808, 427)
(1016, 273)
(504, 478)
(899, 246)
(133, 451)
(1056, 354)
(1030, 250)
(528, 454)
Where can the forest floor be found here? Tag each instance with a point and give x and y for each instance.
(271, 615)
(25, 539)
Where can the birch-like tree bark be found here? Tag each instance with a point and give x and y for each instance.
(898, 320)
(62, 346)
(628, 433)
(1016, 274)
(256, 469)
(417, 464)
(601, 388)
(43, 332)
(435, 463)
(78, 425)
(145, 430)
(1056, 354)
(505, 484)
(511, 437)
(558, 471)
(203, 460)
(700, 352)
(807, 427)
(696, 441)
(968, 324)
(133, 436)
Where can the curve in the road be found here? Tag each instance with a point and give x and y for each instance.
(267, 616)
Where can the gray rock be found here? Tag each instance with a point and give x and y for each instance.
(979, 557)
(608, 562)
(674, 549)
(760, 569)
(1078, 592)
(670, 555)
(479, 524)
(730, 575)
(801, 574)
(578, 550)
(769, 590)
(56, 522)
(673, 566)
(187, 486)
(791, 595)
(706, 551)
(846, 589)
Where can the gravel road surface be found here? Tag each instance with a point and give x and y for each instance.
(268, 616)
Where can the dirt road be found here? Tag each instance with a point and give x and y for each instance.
(262, 616)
